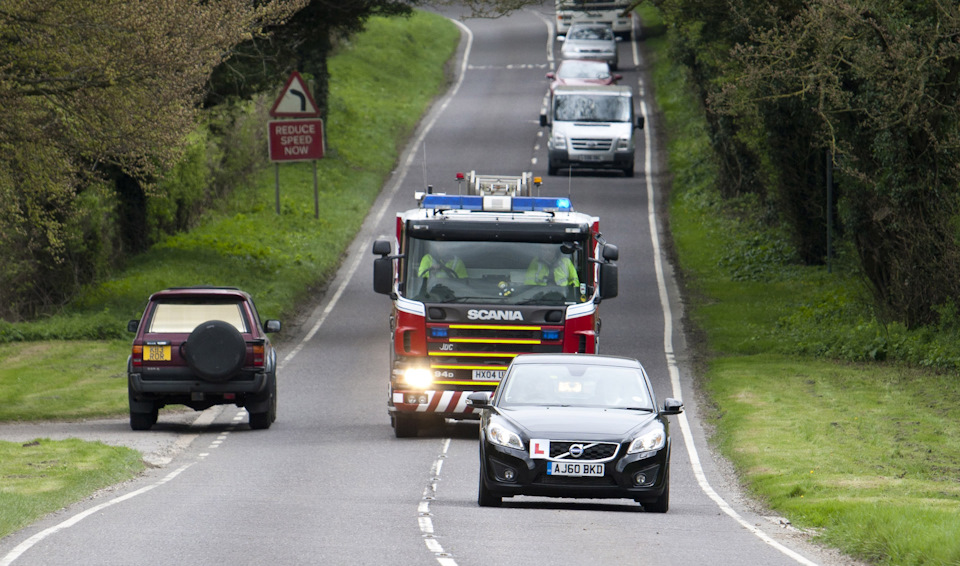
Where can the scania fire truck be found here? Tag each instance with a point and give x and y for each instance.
(478, 278)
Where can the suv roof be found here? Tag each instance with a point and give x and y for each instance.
(201, 291)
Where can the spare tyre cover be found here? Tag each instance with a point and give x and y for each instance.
(215, 350)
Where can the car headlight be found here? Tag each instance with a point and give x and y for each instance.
(502, 436)
(651, 440)
(419, 378)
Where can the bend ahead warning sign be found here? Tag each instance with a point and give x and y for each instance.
(296, 140)
(295, 100)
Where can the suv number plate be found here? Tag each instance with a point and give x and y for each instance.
(156, 353)
(574, 469)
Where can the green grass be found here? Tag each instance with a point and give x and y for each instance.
(381, 84)
(864, 455)
(42, 476)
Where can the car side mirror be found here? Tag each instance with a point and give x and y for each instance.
(271, 326)
(672, 406)
(617, 77)
(543, 119)
(551, 75)
(132, 325)
(479, 399)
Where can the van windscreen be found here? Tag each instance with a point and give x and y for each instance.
(591, 108)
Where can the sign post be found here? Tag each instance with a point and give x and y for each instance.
(300, 139)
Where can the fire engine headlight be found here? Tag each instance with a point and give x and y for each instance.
(651, 440)
(503, 436)
(419, 378)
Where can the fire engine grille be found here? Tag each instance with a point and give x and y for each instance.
(581, 144)
(592, 451)
(494, 333)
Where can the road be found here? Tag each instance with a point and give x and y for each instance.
(329, 483)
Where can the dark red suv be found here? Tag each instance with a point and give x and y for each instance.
(199, 347)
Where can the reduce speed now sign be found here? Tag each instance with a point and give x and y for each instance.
(296, 140)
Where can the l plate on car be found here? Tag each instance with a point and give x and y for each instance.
(489, 374)
(575, 469)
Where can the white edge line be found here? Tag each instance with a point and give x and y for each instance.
(671, 358)
(27, 544)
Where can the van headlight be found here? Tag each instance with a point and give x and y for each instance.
(623, 144)
(559, 141)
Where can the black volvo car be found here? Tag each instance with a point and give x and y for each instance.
(575, 425)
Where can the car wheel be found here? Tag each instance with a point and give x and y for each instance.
(404, 425)
(215, 350)
(143, 421)
(263, 420)
(485, 497)
(143, 414)
(662, 503)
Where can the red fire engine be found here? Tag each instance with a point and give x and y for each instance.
(480, 278)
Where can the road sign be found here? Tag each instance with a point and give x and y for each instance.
(295, 100)
(296, 140)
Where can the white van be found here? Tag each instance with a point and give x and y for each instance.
(591, 127)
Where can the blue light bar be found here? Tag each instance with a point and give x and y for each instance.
(517, 204)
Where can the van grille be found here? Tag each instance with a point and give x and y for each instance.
(581, 144)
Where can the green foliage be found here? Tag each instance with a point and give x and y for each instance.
(240, 240)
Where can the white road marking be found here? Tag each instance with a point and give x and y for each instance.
(668, 341)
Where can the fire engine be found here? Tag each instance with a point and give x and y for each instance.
(481, 277)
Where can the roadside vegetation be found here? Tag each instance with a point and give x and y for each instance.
(846, 424)
(72, 365)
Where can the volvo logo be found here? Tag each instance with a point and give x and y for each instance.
(576, 450)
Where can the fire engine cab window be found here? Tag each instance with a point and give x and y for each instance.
(502, 272)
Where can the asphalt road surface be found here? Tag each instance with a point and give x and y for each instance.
(329, 483)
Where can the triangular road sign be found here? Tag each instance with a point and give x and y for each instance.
(295, 101)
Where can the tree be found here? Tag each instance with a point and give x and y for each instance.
(92, 89)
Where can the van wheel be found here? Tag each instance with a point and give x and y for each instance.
(628, 172)
(552, 170)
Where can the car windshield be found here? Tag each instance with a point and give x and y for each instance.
(591, 108)
(509, 273)
(187, 315)
(590, 33)
(575, 385)
(583, 70)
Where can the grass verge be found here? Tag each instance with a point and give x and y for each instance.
(864, 455)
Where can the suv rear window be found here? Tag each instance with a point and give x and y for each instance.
(184, 317)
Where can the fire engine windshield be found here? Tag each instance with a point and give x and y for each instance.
(513, 273)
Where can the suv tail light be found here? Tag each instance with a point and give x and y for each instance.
(258, 358)
(136, 357)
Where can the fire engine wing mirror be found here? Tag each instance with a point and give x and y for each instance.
(611, 252)
(609, 285)
(543, 119)
(381, 247)
(640, 122)
(383, 275)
